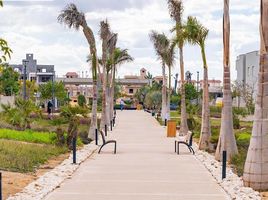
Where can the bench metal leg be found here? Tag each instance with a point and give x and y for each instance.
(178, 148)
(115, 148)
(101, 147)
(175, 147)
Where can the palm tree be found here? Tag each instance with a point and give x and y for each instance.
(226, 139)
(120, 56)
(71, 114)
(76, 19)
(176, 10)
(160, 44)
(104, 34)
(169, 60)
(256, 170)
(197, 34)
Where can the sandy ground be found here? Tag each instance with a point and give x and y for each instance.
(14, 182)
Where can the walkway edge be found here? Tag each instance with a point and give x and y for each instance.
(232, 185)
(51, 180)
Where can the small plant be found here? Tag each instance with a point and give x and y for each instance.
(82, 100)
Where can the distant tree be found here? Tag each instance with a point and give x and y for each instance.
(4, 49)
(81, 100)
(153, 100)
(190, 92)
(46, 91)
(9, 84)
(31, 89)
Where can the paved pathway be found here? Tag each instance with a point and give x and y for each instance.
(145, 168)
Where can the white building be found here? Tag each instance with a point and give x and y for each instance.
(247, 67)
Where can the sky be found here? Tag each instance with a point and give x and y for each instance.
(32, 27)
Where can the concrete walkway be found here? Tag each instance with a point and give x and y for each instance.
(145, 168)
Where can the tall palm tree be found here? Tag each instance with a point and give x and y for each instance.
(197, 34)
(226, 139)
(120, 56)
(160, 43)
(256, 170)
(76, 19)
(104, 34)
(176, 11)
(169, 60)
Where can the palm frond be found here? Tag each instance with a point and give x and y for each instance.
(175, 10)
(72, 17)
(196, 32)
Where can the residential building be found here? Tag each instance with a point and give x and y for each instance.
(74, 91)
(247, 67)
(34, 71)
(130, 89)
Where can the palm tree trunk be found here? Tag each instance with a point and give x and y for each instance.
(256, 168)
(112, 93)
(226, 140)
(108, 95)
(103, 110)
(205, 127)
(169, 92)
(93, 51)
(104, 84)
(94, 119)
(164, 94)
(183, 125)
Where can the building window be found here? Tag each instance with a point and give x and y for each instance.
(131, 91)
(44, 70)
(248, 71)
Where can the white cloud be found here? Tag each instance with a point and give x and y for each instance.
(34, 29)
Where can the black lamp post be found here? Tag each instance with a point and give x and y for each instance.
(53, 92)
(24, 78)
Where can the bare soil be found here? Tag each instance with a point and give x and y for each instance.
(14, 182)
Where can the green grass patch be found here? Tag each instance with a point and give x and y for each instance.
(28, 136)
(31, 136)
(25, 157)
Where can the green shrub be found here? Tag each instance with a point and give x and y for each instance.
(236, 122)
(81, 100)
(238, 162)
(240, 111)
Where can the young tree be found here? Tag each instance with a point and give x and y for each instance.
(256, 170)
(4, 49)
(75, 19)
(46, 91)
(197, 34)
(176, 11)
(81, 100)
(71, 115)
(9, 84)
(226, 140)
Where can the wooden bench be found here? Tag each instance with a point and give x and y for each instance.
(104, 142)
(188, 143)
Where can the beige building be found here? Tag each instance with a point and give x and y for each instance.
(75, 90)
(130, 90)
